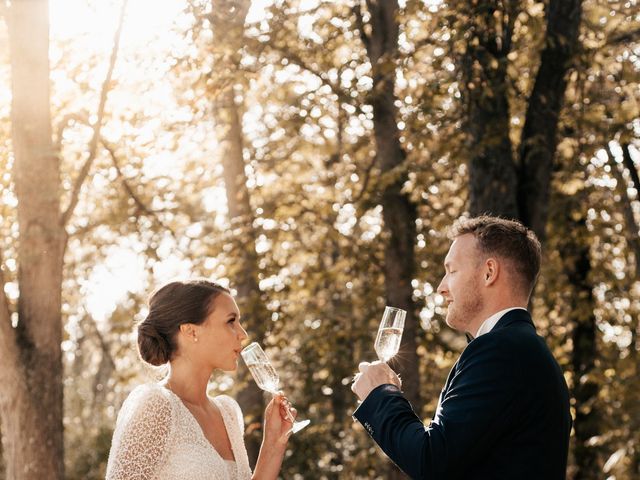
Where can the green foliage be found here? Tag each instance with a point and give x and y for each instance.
(156, 191)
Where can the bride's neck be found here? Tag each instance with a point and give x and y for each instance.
(188, 382)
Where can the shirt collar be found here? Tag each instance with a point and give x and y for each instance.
(490, 322)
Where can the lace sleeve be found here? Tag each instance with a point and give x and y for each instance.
(141, 437)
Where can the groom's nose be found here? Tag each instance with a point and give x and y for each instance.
(442, 288)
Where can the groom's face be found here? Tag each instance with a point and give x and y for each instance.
(462, 282)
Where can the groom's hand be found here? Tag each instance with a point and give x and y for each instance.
(372, 375)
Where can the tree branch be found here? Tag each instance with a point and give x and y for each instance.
(107, 364)
(297, 60)
(357, 11)
(365, 183)
(539, 135)
(633, 240)
(64, 123)
(622, 38)
(93, 145)
(8, 345)
(5, 311)
(139, 203)
(509, 25)
(627, 161)
(103, 344)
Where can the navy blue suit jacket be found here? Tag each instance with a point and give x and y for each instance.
(503, 413)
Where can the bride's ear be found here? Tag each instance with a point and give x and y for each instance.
(188, 331)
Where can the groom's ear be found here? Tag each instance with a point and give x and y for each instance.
(491, 271)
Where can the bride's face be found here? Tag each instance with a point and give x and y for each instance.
(220, 336)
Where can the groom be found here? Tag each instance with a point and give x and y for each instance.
(504, 410)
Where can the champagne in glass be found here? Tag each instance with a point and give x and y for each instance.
(390, 333)
(266, 377)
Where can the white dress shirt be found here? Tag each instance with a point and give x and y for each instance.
(490, 322)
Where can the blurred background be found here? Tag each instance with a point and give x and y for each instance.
(310, 155)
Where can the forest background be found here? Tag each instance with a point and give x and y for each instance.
(310, 155)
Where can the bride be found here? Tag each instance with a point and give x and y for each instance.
(173, 430)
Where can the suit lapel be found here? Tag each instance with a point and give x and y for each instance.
(446, 387)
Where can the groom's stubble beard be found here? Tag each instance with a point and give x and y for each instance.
(462, 312)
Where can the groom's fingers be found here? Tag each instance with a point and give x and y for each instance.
(394, 378)
(354, 385)
(363, 366)
(371, 376)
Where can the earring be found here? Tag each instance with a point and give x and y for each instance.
(195, 339)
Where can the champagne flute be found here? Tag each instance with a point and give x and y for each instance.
(266, 377)
(390, 333)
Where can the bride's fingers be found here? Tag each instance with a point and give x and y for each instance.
(283, 412)
(287, 411)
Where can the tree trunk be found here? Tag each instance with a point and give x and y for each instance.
(539, 142)
(627, 161)
(31, 376)
(632, 231)
(399, 213)
(228, 34)
(492, 171)
(2, 466)
(536, 158)
(574, 250)
(245, 276)
(633, 234)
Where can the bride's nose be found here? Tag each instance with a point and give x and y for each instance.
(242, 334)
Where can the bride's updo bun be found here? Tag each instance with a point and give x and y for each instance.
(170, 306)
(154, 347)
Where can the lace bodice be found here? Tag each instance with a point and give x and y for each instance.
(157, 437)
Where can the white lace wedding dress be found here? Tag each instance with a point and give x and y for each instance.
(157, 437)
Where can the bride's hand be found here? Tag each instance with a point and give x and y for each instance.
(277, 426)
